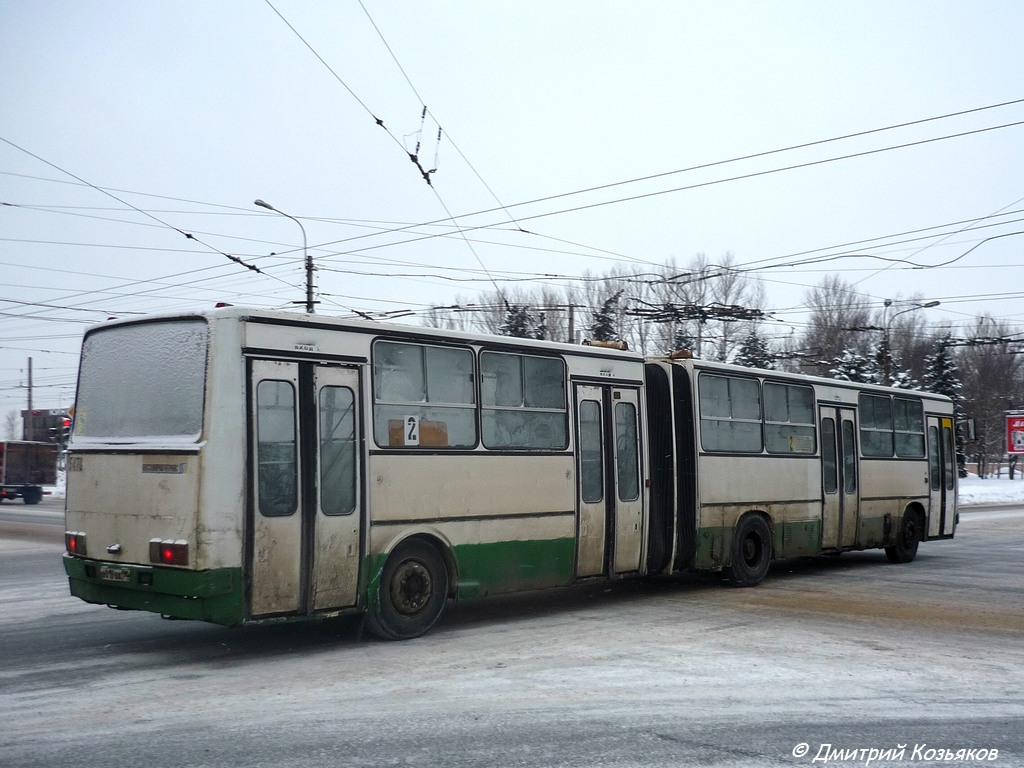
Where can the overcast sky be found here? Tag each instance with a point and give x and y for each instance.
(125, 126)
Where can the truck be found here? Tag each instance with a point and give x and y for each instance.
(25, 467)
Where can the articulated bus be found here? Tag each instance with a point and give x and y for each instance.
(237, 466)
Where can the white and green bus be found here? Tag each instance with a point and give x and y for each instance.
(242, 465)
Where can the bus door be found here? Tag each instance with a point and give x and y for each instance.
(609, 487)
(303, 525)
(839, 477)
(941, 477)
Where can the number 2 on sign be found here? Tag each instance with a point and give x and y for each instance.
(412, 430)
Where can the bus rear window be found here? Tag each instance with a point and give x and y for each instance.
(142, 381)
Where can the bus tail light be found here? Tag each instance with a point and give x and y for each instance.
(168, 551)
(74, 542)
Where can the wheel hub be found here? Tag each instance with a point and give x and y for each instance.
(411, 587)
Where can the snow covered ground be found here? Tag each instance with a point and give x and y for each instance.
(991, 490)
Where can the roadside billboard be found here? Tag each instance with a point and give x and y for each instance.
(1015, 433)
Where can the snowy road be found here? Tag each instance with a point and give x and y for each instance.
(850, 652)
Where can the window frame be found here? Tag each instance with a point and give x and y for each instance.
(384, 410)
(809, 428)
(703, 419)
(488, 410)
(906, 432)
(870, 431)
(273, 468)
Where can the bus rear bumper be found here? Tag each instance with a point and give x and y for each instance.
(212, 595)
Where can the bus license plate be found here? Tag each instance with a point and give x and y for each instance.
(115, 574)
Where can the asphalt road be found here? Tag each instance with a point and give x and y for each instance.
(850, 652)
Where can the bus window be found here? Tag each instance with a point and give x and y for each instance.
(591, 452)
(909, 427)
(276, 452)
(730, 414)
(876, 425)
(934, 459)
(523, 400)
(788, 418)
(829, 465)
(849, 458)
(950, 453)
(146, 380)
(337, 451)
(423, 396)
(627, 458)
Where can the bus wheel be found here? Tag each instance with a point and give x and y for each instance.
(412, 593)
(751, 552)
(907, 539)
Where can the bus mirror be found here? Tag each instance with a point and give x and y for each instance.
(969, 429)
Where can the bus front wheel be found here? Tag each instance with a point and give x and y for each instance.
(412, 592)
(907, 539)
(751, 552)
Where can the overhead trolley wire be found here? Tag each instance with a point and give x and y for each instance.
(413, 156)
(187, 235)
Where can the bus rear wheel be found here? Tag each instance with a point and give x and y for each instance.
(907, 539)
(751, 552)
(411, 594)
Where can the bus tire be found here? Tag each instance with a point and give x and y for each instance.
(751, 552)
(907, 538)
(412, 592)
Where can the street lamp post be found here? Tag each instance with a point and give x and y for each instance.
(888, 323)
(305, 252)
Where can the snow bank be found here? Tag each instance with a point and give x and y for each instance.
(991, 490)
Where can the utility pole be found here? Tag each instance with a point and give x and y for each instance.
(29, 429)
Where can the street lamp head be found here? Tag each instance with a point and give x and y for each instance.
(263, 204)
(930, 304)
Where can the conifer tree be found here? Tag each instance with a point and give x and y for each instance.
(603, 328)
(754, 352)
(518, 321)
(852, 366)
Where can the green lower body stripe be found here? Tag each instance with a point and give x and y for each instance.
(214, 595)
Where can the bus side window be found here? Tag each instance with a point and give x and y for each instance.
(276, 448)
(849, 458)
(947, 443)
(338, 451)
(876, 428)
(591, 452)
(626, 456)
(934, 465)
(730, 413)
(829, 465)
(424, 396)
(523, 401)
(909, 427)
(788, 418)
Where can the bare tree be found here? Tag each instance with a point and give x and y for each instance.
(837, 312)
(993, 382)
(705, 303)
